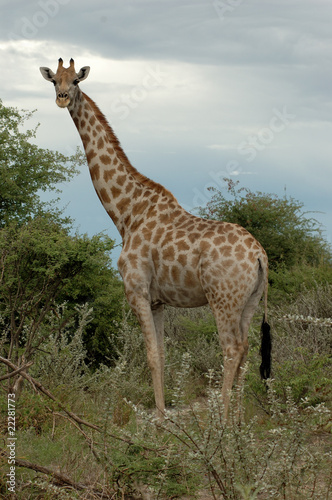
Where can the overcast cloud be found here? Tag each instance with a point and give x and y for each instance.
(195, 91)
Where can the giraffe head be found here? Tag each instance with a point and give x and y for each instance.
(65, 81)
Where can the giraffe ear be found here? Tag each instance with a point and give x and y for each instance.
(47, 73)
(83, 73)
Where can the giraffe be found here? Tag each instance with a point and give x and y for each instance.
(169, 256)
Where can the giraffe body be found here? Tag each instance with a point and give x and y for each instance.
(169, 256)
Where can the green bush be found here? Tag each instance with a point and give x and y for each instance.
(287, 284)
(281, 225)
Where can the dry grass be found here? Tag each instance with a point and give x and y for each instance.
(281, 450)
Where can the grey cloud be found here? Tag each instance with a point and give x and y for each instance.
(277, 32)
(249, 57)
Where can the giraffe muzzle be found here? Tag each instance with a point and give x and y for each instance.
(62, 99)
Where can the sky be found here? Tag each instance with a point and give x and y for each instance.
(196, 91)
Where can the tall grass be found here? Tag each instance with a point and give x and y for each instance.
(279, 450)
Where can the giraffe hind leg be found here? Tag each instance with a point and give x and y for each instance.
(233, 335)
(234, 351)
(246, 317)
(235, 355)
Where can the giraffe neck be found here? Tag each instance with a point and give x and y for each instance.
(128, 196)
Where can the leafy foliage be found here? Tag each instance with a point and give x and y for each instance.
(281, 225)
(26, 169)
(99, 285)
(41, 264)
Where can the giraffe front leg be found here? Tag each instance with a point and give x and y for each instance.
(158, 318)
(151, 323)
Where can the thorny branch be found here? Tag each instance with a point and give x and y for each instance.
(15, 372)
(57, 478)
(60, 479)
(38, 386)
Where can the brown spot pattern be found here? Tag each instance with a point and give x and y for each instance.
(105, 159)
(90, 155)
(94, 172)
(232, 238)
(169, 253)
(116, 192)
(104, 195)
(182, 245)
(140, 207)
(121, 179)
(108, 175)
(123, 204)
(182, 259)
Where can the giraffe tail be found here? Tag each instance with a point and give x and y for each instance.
(266, 342)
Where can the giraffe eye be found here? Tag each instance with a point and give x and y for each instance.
(76, 82)
(54, 82)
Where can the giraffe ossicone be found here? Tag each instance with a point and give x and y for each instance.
(169, 256)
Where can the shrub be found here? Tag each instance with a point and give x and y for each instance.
(281, 225)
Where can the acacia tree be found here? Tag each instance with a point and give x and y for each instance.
(25, 169)
(42, 264)
(281, 225)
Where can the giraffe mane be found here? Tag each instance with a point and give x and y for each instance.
(142, 179)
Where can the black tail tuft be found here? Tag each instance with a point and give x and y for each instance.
(266, 347)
